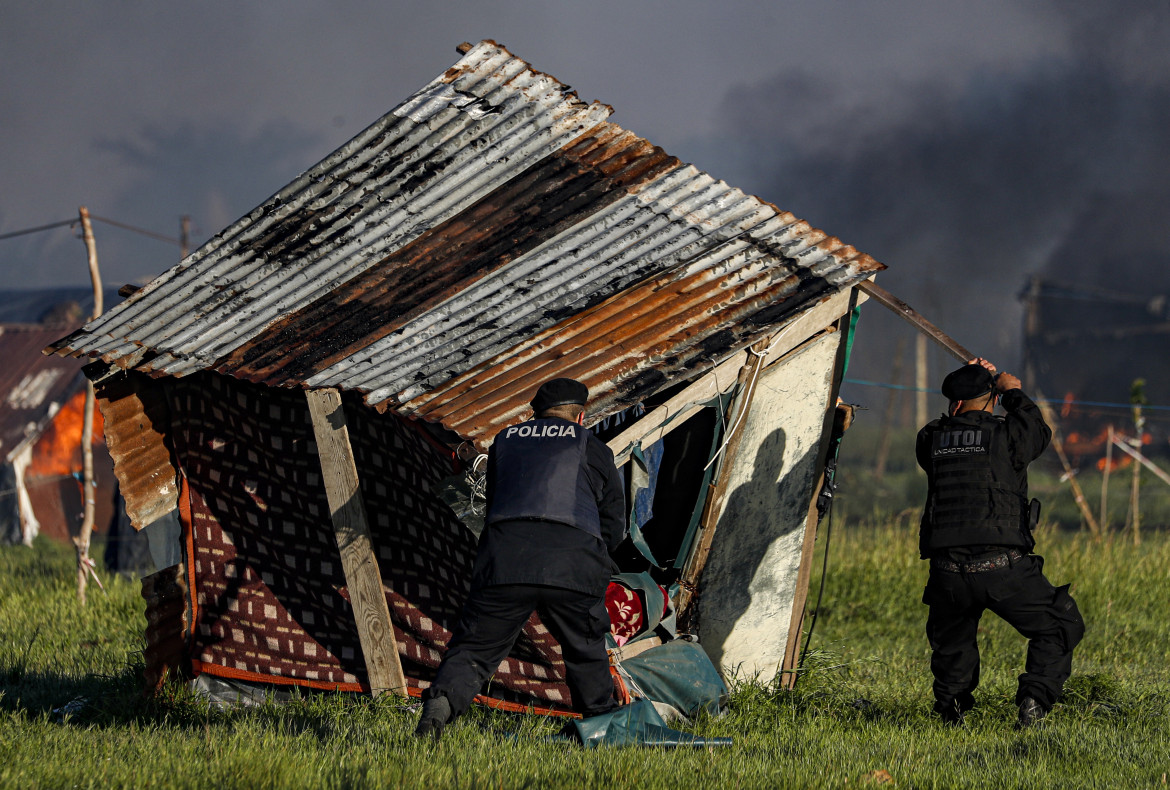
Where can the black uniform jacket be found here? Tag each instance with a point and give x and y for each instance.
(1013, 441)
(552, 554)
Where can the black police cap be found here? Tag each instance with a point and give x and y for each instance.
(969, 381)
(559, 392)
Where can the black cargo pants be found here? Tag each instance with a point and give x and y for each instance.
(490, 623)
(1047, 616)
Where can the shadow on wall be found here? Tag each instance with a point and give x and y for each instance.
(758, 514)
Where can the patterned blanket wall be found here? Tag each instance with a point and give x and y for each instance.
(266, 577)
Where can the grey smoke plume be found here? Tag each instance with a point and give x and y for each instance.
(1057, 169)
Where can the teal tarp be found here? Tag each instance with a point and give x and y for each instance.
(636, 724)
(680, 674)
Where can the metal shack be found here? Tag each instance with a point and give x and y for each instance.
(395, 306)
(41, 401)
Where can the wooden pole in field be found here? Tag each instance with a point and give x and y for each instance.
(1031, 331)
(1058, 446)
(351, 529)
(1105, 480)
(741, 403)
(918, 321)
(84, 563)
(1123, 445)
(184, 235)
(1135, 487)
(959, 352)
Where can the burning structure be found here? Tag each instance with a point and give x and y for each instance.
(1098, 349)
(40, 438)
(1097, 319)
(341, 355)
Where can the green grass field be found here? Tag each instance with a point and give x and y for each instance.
(859, 715)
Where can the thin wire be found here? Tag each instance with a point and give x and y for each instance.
(141, 231)
(742, 412)
(115, 223)
(26, 231)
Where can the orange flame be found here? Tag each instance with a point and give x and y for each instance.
(58, 451)
(1119, 461)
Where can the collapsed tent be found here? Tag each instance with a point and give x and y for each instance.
(300, 403)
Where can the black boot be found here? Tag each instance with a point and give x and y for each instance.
(1031, 712)
(951, 712)
(436, 714)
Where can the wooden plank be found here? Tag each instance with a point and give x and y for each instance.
(1057, 445)
(908, 313)
(1143, 460)
(812, 521)
(676, 411)
(85, 565)
(362, 576)
(803, 575)
(697, 559)
(748, 584)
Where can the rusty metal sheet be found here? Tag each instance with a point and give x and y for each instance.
(137, 427)
(490, 231)
(624, 351)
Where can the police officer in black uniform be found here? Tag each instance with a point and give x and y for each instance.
(977, 533)
(555, 509)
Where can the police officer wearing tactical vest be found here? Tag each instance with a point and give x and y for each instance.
(555, 509)
(977, 533)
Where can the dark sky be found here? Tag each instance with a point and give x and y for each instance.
(966, 145)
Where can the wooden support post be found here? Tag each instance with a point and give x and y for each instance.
(1058, 446)
(84, 563)
(1105, 481)
(362, 576)
(1139, 423)
(909, 314)
(811, 523)
(800, 600)
(1031, 333)
(184, 236)
(1135, 510)
(741, 403)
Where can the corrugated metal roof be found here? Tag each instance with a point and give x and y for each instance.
(32, 386)
(490, 231)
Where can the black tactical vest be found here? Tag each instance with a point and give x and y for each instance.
(541, 474)
(975, 497)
